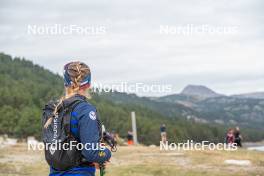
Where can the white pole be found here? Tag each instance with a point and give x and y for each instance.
(103, 129)
(134, 127)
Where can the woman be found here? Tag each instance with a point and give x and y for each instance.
(230, 136)
(84, 124)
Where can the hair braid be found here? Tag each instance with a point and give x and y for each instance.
(77, 71)
(55, 112)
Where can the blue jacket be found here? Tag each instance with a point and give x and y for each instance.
(85, 128)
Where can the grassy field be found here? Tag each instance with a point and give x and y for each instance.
(142, 161)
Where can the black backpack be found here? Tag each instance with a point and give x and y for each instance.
(57, 135)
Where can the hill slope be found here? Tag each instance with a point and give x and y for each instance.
(24, 89)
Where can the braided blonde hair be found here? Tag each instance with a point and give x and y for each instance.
(77, 72)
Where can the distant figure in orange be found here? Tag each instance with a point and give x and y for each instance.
(130, 138)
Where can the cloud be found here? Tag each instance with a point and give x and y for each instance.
(133, 49)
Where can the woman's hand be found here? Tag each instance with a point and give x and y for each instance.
(97, 165)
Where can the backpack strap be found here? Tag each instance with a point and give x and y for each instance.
(68, 113)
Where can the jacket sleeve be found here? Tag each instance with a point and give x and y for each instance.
(89, 134)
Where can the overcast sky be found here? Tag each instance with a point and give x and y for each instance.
(131, 47)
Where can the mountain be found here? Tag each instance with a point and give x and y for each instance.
(231, 110)
(243, 112)
(255, 95)
(246, 110)
(190, 96)
(185, 100)
(172, 110)
(199, 91)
